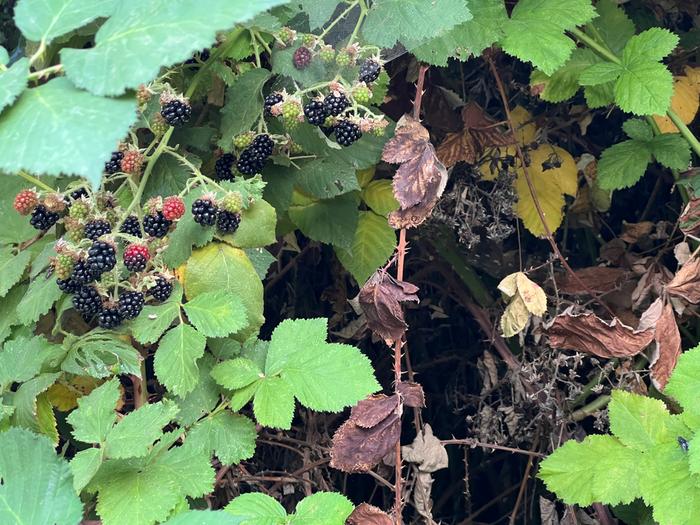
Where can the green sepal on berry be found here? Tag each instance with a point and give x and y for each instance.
(232, 202)
(362, 93)
(243, 140)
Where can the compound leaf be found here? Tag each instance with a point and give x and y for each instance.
(96, 415)
(230, 436)
(133, 435)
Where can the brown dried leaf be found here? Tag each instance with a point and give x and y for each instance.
(598, 279)
(412, 394)
(365, 514)
(485, 131)
(634, 231)
(380, 300)
(589, 333)
(686, 283)
(357, 448)
(668, 347)
(689, 221)
(457, 147)
(409, 140)
(415, 178)
(426, 451)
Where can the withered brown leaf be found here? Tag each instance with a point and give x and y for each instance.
(598, 279)
(421, 178)
(589, 333)
(668, 347)
(371, 431)
(380, 299)
(689, 221)
(686, 282)
(365, 514)
(412, 394)
(457, 147)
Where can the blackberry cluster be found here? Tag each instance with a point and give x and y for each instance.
(131, 226)
(87, 301)
(369, 71)
(302, 57)
(271, 100)
(176, 112)
(252, 159)
(42, 219)
(161, 290)
(83, 274)
(335, 104)
(96, 229)
(68, 285)
(109, 318)
(102, 257)
(130, 304)
(156, 225)
(315, 112)
(114, 164)
(204, 212)
(227, 221)
(223, 166)
(347, 132)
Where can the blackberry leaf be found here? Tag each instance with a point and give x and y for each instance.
(244, 105)
(176, 359)
(216, 314)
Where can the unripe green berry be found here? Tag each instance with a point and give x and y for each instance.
(308, 40)
(343, 58)
(291, 113)
(362, 93)
(80, 209)
(232, 202)
(63, 265)
(327, 53)
(243, 140)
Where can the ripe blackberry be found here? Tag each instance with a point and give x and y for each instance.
(173, 208)
(301, 57)
(82, 274)
(335, 103)
(78, 194)
(271, 100)
(223, 166)
(87, 301)
(156, 225)
(369, 71)
(250, 162)
(68, 285)
(109, 318)
(263, 145)
(347, 132)
(204, 212)
(131, 226)
(227, 222)
(26, 201)
(131, 304)
(315, 112)
(102, 257)
(114, 164)
(135, 257)
(162, 289)
(42, 219)
(176, 112)
(97, 228)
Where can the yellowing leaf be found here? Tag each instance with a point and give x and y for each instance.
(526, 297)
(532, 295)
(65, 396)
(525, 129)
(515, 317)
(685, 101)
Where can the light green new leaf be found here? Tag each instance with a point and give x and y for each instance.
(190, 468)
(46, 19)
(123, 56)
(273, 405)
(600, 73)
(12, 268)
(671, 150)
(13, 82)
(8, 310)
(535, 31)
(155, 320)
(216, 314)
(236, 373)
(600, 468)
(329, 508)
(623, 164)
(639, 422)
(22, 358)
(392, 21)
(682, 385)
(39, 299)
(318, 11)
(84, 466)
(37, 486)
(374, 243)
(71, 131)
(244, 104)
(256, 508)
(230, 436)
(96, 415)
(176, 359)
(133, 436)
(651, 45)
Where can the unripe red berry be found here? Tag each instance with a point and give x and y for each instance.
(26, 201)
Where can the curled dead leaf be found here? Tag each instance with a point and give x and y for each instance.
(426, 451)
(689, 221)
(686, 282)
(365, 514)
(380, 299)
(526, 297)
(412, 394)
(668, 347)
(371, 431)
(590, 334)
(633, 232)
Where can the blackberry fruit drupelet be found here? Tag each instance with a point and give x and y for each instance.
(131, 304)
(131, 226)
(162, 289)
(302, 57)
(315, 112)
(176, 112)
(347, 132)
(335, 104)
(156, 225)
(263, 145)
(68, 285)
(369, 71)
(42, 219)
(204, 212)
(250, 161)
(136, 257)
(114, 164)
(82, 274)
(227, 222)
(109, 318)
(271, 100)
(87, 301)
(97, 228)
(224, 165)
(102, 257)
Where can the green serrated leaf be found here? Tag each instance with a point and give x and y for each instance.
(327, 177)
(123, 56)
(187, 234)
(155, 320)
(683, 382)
(256, 508)
(176, 359)
(169, 177)
(8, 310)
(96, 415)
(273, 404)
(331, 221)
(671, 150)
(37, 488)
(564, 82)
(613, 25)
(39, 299)
(374, 243)
(600, 468)
(644, 88)
(330, 508)
(638, 129)
(379, 196)
(46, 418)
(600, 73)
(244, 104)
(25, 414)
(201, 517)
(47, 19)
(623, 164)
(75, 117)
(230, 436)
(84, 466)
(216, 314)
(639, 422)
(202, 399)
(22, 358)
(11, 268)
(257, 227)
(535, 31)
(13, 81)
(316, 71)
(261, 260)
(236, 373)
(133, 436)
(651, 45)
(318, 11)
(101, 354)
